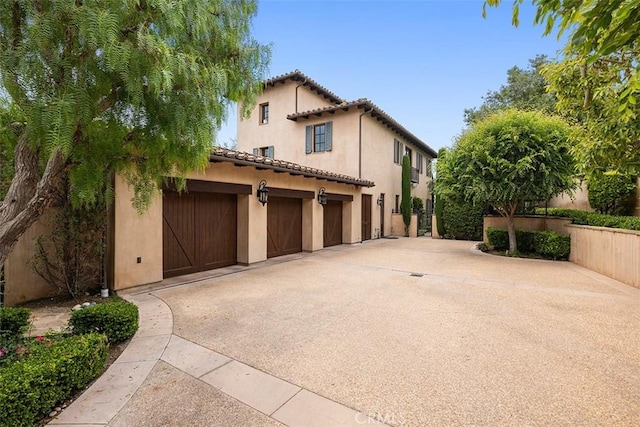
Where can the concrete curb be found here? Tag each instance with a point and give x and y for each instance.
(101, 402)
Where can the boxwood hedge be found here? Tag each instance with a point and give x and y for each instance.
(36, 382)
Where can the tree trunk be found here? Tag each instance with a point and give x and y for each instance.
(511, 229)
(29, 193)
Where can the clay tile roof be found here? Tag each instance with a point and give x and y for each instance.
(376, 113)
(248, 159)
(298, 76)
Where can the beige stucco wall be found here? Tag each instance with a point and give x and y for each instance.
(580, 199)
(609, 251)
(22, 284)
(279, 132)
(397, 225)
(136, 235)
(141, 236)
(288, 139)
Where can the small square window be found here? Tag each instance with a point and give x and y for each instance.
(264, 113)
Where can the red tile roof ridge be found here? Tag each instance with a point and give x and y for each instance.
(298, 75)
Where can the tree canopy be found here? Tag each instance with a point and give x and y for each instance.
(589, 92)
(506, 159)
(596, 29)
(131, 86)
(525, 90)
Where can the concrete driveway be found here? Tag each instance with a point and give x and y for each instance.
(417, 332)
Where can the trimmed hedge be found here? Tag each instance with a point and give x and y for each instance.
(32, 385)
(462, 221)
(547, 244)
(14, 321)
(117, 319)
(594, 219)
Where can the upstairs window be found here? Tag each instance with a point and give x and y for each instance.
(264, 151)
(264, 113)
(318, 138)
(397, 151)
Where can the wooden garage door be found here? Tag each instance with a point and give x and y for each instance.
(332, 223)
(199, 232)
(284, 226)
(366, 217)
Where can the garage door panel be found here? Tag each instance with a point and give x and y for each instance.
(284, 226)
(216, 217)
(199, 232)
(178, 226)
(332, 232)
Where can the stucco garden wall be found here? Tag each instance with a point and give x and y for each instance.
(397, 225)
(610, 251)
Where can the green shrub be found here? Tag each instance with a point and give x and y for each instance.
(499, 239)
(552, 245)
(32, 385)
(14, 321)
(595, 219)
(575, 215)
(117, 319)
(611, 193)
(463, 221)
(547, 244)
(417, 204)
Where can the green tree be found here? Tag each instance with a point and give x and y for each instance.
(9, 124)
(525, 90)
(588, 92)
(506, 159)
(136, 87)
(405, 201)
(596, 29)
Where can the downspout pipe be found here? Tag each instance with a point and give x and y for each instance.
(360, 141)
(303, 82)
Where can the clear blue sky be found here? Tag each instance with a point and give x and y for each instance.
(422, 61)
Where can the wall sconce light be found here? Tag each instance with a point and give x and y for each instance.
(380, 200)
(322, 197)
(263, 192)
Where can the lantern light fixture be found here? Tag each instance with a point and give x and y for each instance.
(322, 196)
(263, 192)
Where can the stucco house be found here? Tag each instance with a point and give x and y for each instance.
(342, 160)
(300, 120)
(242, 209)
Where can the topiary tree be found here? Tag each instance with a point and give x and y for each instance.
(611, 192)
(506, 159)
(405, 202)
(135, 87)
